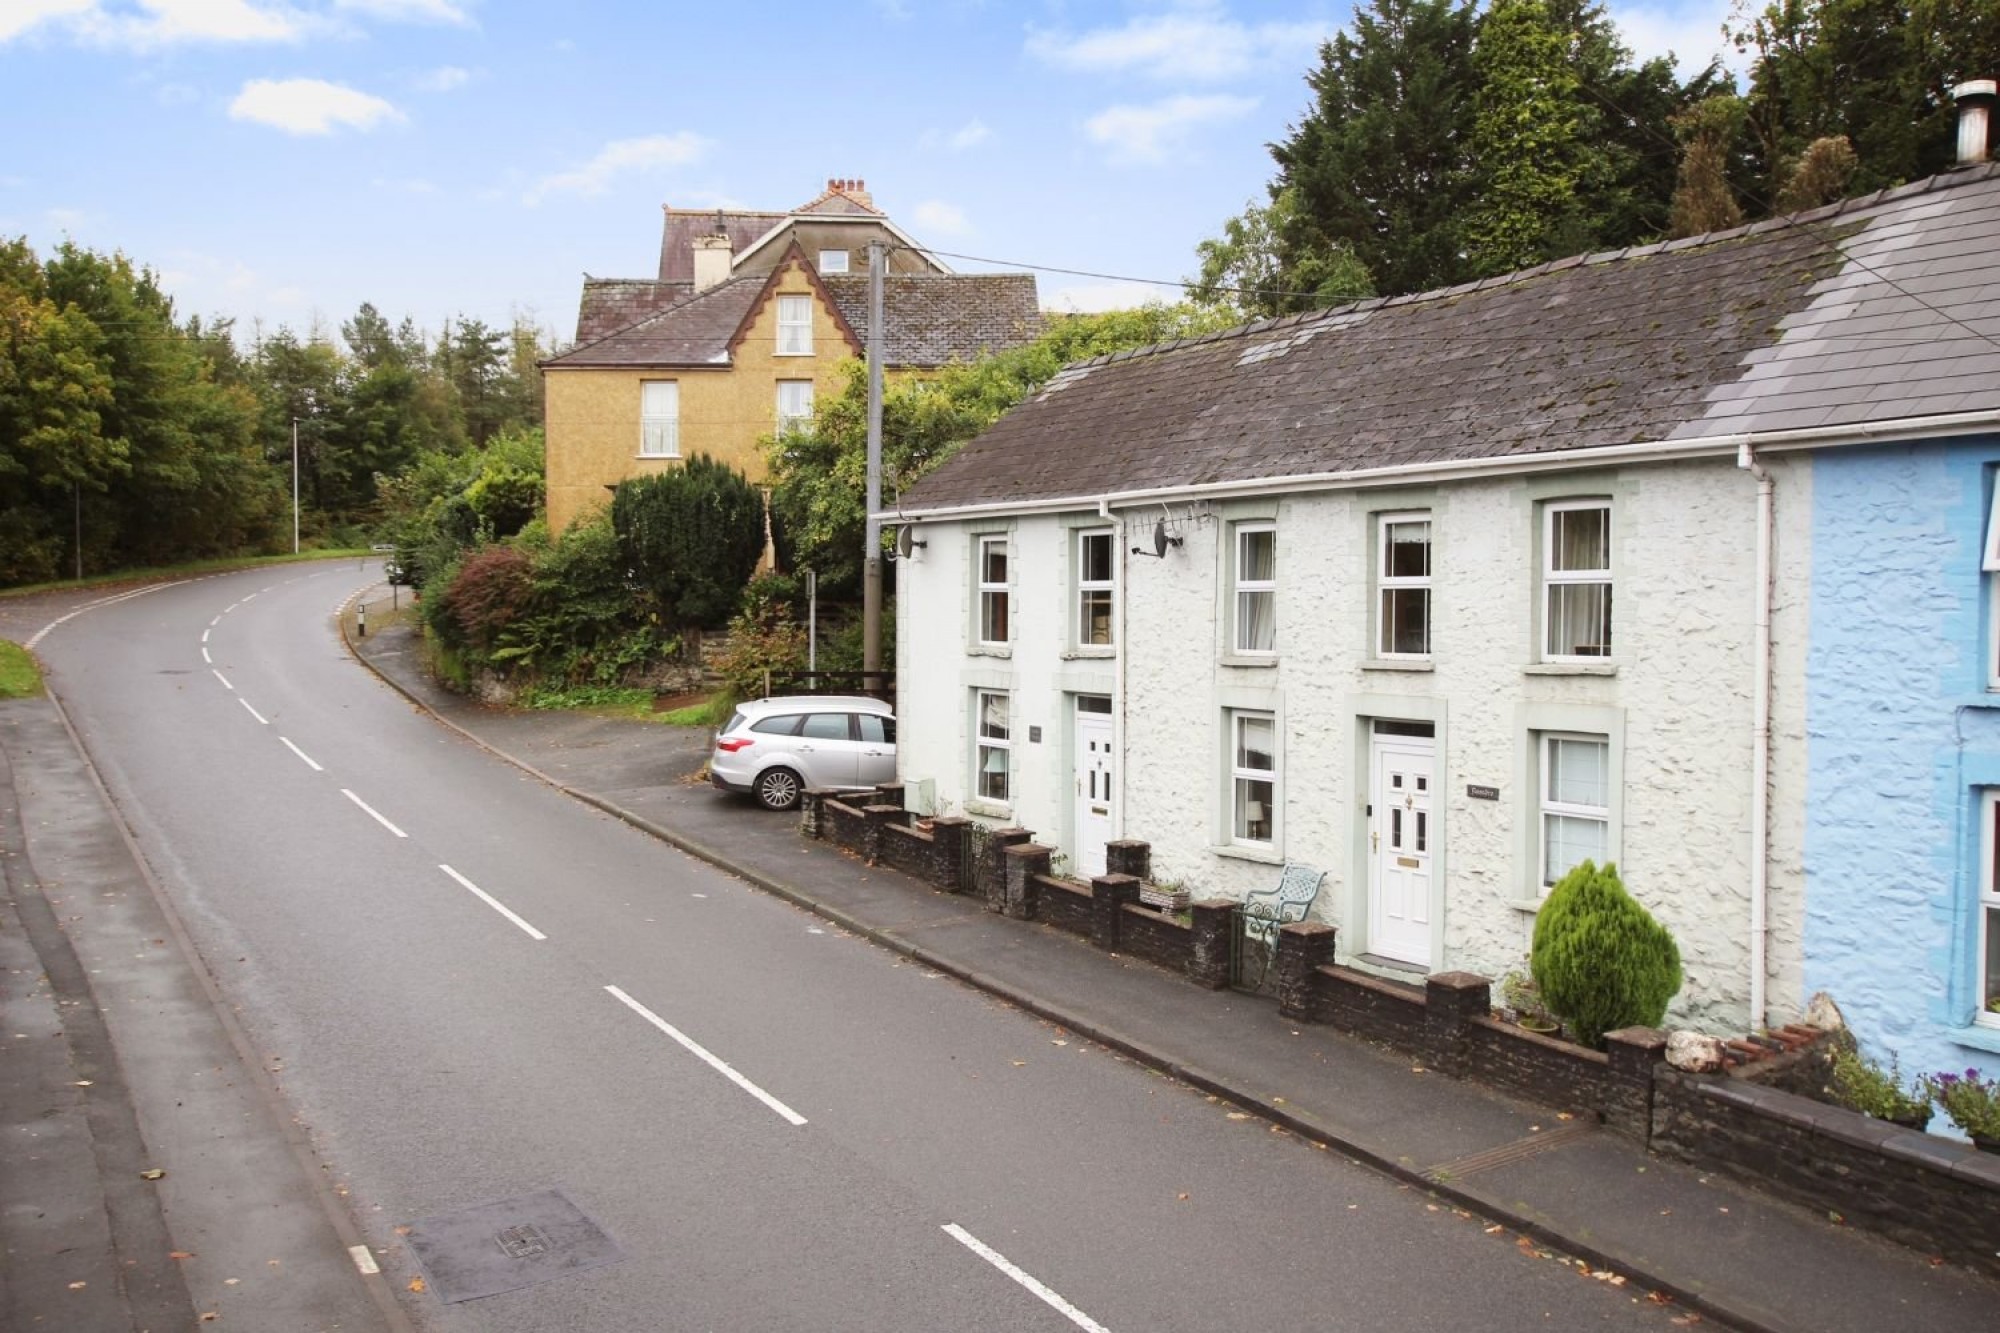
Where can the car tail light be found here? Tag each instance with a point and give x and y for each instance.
(731, 744)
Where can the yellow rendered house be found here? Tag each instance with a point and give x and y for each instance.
(752, 315)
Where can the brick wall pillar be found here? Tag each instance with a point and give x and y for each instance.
(875, 817)
(1209, 942)
(889, 793)
(950, 835)
(1129, 856)
(1303, 947)
(1628, 1103)
(1025, 860)
(1108, 896)
(993, 874)
(812, 810)
(1452, 1000)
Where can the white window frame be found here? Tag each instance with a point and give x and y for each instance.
(801, 415)
(795, 329)
(984, 744)
(1989, 567)
(992, 594)
(659, 433)
(834, 261)
(1087, 587)
(1240, 588)
(1553, 578)
(1549, 807)
(1387, 583)
(1241, 774)
(1988, 905)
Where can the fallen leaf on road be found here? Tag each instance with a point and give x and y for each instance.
(1239, 1115)
(1019, 1063)
(1183, 1196)
(1057, 1041)
(1495, 1227)
(209, 1316)
(152, 1173)
(180, 1254)
(82, 1083)
(416, 1284)
(1564, 1115)
(232, 1282)
(78, 1286)
(402, 1231)
(1659, 1298)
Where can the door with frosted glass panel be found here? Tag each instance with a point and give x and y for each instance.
(1402, 841)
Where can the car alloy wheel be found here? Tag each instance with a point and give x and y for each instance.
(777, 789)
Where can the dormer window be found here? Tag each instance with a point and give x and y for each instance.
(833, 261)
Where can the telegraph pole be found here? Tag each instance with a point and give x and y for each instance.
(295, 485)
(871, 568)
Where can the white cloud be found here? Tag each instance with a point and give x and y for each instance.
(309, 106)
(1691, 31)
(166, 22)
(971, 135)
(938, 218)
(443, 79)
(618, 158)
(1196, 42)
(1148, 133)
(409, 11)
(1092, 297)
(18, 16)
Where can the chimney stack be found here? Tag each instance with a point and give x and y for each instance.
(855, 189)
(711, 260)
(1975, 108)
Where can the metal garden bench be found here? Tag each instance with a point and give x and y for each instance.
(1264, 910)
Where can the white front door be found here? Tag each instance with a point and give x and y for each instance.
(1401, 842)
(1093, 782)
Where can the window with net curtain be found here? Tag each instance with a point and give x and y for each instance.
(1253, 773)
(1256, 571)
(993, 592)
(1404, 579)
(993, 755)
(1576, 802)
(1576, 578)
(795, 327)
(659, 419)
(1988, 914)
(1094, 588)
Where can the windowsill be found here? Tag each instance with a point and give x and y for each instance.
(1398, 664)
(806, 353)
(1977, 1035)
(977, 805)
(1269, 856)
(1570, 669)
(1990, 699)
(658, 458)
(1239, 660)
(1095, 654)
(1528, 905)
(989, 650)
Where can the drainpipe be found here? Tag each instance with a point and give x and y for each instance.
(1760, 742)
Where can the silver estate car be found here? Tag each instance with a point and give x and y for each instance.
(776, 748)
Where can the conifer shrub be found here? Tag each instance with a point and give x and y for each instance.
(691, 538)
(1600, 960)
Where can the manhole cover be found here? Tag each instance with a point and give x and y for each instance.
(504, 1246)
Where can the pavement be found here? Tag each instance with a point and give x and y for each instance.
(1566, 1191)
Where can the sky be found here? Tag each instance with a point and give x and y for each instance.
(279, 162)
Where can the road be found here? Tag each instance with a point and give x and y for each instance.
(472, 988)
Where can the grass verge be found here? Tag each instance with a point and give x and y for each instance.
(20, 678)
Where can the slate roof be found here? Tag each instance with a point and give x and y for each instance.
(745, 227)
(1878, 308)
(929, 319)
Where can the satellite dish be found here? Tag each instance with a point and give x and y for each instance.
(1160, 539)
(906, 541)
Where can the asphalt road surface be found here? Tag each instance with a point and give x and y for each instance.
(472, 989)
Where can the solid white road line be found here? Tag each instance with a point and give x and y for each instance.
(493, 902)
(999, 1261)
(253, 712)
(363, 1260)
(711, 1061)
(303, 755)
(224, 679)
(206, 658)
(43, 632)
(374, 812)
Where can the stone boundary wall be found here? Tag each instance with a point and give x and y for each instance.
(1933, 1193)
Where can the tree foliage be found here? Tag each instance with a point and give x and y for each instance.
(1247, 270)
(1600, 960)
(692, 538)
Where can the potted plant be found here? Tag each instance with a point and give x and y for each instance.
(1972, 1102)
(1861, 1085)
(1524, 999)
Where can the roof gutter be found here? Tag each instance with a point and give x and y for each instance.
(1656, 451)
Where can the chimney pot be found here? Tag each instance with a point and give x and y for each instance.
(1975, 107)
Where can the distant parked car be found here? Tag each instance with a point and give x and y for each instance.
(774, 749)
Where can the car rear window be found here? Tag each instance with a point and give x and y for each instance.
(784, 724)
(826, 727)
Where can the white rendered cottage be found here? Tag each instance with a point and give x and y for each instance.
(1439, 595)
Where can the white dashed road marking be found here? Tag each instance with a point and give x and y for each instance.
(373, 813)
(713, 1062)
(999, 1261)
(493, 902)
(253, 712)
(302, 754)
